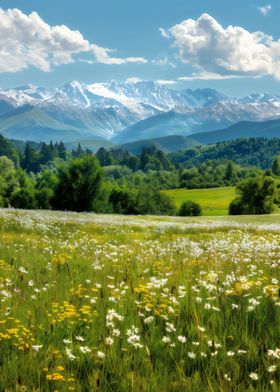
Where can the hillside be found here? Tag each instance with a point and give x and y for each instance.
(166, 144)
(248, 152)
(161, 125)
(177, 125)
(247, 129)
(29, 123)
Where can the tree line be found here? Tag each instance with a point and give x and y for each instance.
(48, 176)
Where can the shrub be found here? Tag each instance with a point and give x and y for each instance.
(123, 201)
(141, 202)
(190, 208)
(23, 198)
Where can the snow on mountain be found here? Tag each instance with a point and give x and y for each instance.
(108, 109)
(200, 98)
(103, 91)
(27, 95)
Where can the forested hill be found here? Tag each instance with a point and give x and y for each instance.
(248, 152)
(259, 152)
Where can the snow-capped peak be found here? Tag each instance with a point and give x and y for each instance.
(108, 108)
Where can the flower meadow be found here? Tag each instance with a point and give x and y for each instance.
(110, 303)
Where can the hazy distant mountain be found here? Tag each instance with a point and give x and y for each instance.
(245, 129)
(218, 115)
(165, 124)
(125, 112)
(5, 105)
(29, 123)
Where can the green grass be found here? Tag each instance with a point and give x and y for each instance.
(214, 201)
(113, 303)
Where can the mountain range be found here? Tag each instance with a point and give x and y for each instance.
(243, 130)
(116, 113)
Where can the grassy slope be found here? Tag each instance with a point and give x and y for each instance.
(214, 202)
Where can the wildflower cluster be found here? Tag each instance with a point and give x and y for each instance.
(88, 302)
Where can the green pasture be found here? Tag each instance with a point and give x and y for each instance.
(214, 201)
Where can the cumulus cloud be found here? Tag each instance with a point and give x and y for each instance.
(206, 45)
(28, 40)
(265, 10)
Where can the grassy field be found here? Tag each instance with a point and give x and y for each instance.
(113, 303)
(214, 201)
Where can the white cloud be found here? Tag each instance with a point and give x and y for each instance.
(206, 45)
(28, 40)
(133, 80)
(207, 76)
(164, 32)
(90, 62)
(166, 82)
(102, 55)
(163, 62)
(265, 10)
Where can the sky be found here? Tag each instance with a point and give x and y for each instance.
(233, 47)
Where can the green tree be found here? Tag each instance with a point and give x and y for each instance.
(276, 166)
(256, 196)
(229, 171)
(190, 208)
(105, 158)
(7, 149)
(24, 198)
(132, 163)
(80, 152)
(8, 180)
(30, 160)
(123, 201)
(24, 195)
(153, 202)
(141, 202)
(47, 153)
(61, 151)
(79, 185)
(43, 198)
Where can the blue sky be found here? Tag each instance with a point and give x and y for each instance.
(235, 61)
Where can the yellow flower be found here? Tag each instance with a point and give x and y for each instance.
(272, 290)
(55, 377)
